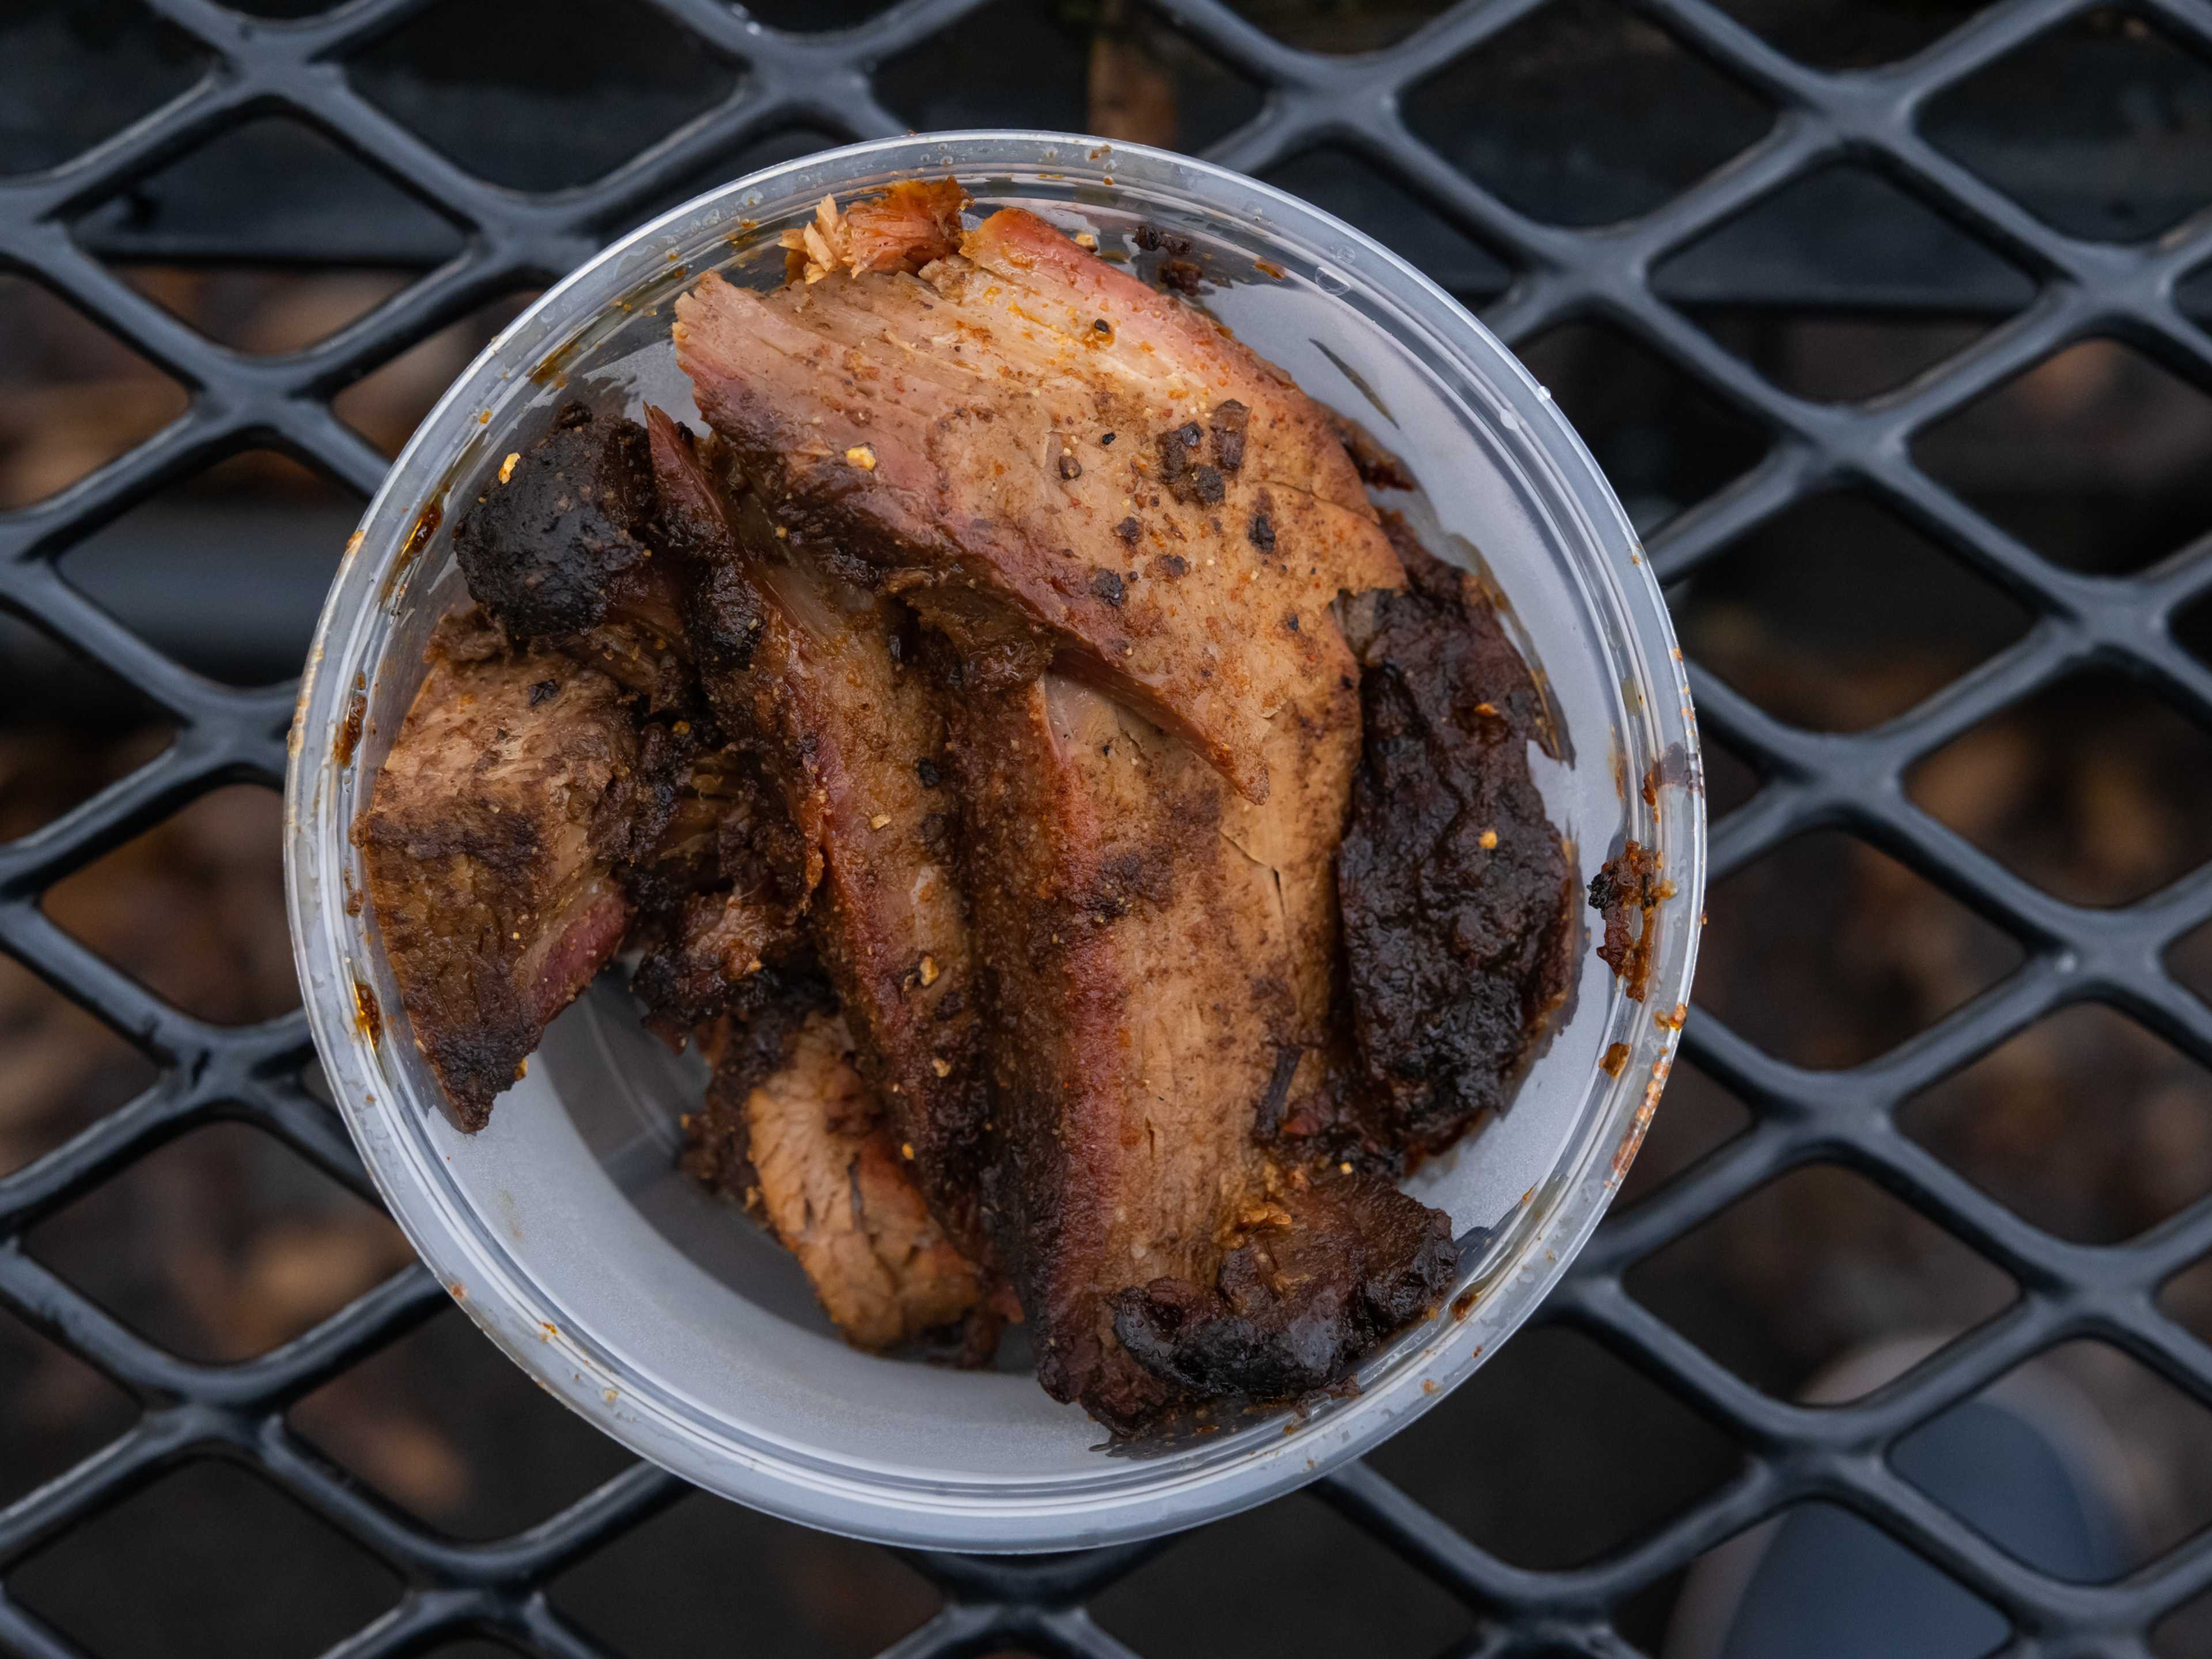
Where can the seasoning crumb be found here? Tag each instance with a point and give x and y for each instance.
(1070, 468)
(1086, 242)
(942, 1068)
(507, 467)
(1488, 838)
(905, 1150)
(1616, 1057)
(879, 820)
(862, 456)
(929, 970)
(1106, 440)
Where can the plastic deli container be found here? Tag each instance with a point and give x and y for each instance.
(668, 1318)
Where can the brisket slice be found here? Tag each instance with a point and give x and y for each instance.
(1051, 461)
(1458, 895)
(811, 671)
(792, 1130)
(1157, 956)
(517, 782)
(559, 550)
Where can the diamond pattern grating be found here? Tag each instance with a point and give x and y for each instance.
(821, 82)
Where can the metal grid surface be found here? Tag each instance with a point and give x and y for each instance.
(823, 82)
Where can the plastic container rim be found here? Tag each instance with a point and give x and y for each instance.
(1129, 1499)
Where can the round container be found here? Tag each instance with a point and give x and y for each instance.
(668, 1319)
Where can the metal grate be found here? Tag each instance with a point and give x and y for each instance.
(823, 84)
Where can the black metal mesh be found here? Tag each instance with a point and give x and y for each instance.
(1747, 122)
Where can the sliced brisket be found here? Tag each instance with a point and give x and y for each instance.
(1051, 461)
(1158, 958)
(517, 782)
(811, 670)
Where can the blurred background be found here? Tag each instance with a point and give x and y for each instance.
(1837, 616)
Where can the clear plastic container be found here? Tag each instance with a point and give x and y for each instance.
(668, 1319)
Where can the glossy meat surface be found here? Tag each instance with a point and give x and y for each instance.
(1052, 462)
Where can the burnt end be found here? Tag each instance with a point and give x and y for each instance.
(541, 550)
(1323, 1277)
(1205, 485)
(1108, 586)
(1070, 468)
(1152, 239)
(1128, 529)
(1457, 891)
(1228, 423)
(1625, 892)
(1172, 564)
(1261, 533)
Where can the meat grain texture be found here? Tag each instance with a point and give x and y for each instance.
(490, 843)
(806, 1145)
(1051, 461)
(1095, 870)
